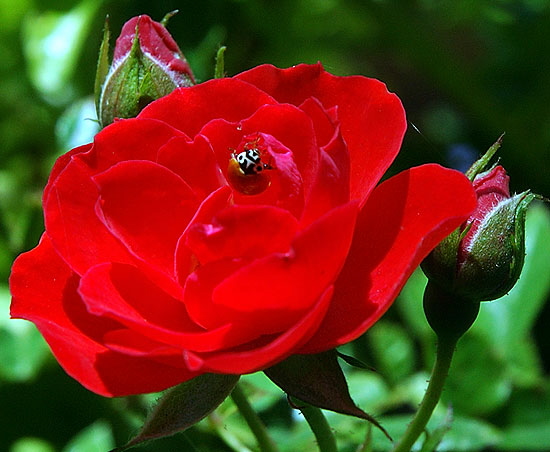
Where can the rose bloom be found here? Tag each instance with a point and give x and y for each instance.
(230, 225)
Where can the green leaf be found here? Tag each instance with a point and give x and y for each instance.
(31, 445)
(77, 125)
(393, 349)
(318, 380)
(52, 43)
(22, 348)
(183, 406)
(478, 382)
(94, 438)
(507, 322)
(529, 414)
(354, 362)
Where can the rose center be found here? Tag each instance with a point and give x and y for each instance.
(249, 165)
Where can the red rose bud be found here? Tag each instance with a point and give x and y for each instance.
(482, 260)
(147, 65)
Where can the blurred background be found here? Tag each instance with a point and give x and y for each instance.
(466, 71)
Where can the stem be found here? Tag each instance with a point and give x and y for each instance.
(444, 356)
(253, 420)
(320, 428)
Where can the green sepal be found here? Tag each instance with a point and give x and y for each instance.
(168, 16)
(480, 164)
(183, 406)
(318, 380)
(102, 65)
(219, 70)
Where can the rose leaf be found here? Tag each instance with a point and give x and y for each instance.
(317, 379)
(183, 406)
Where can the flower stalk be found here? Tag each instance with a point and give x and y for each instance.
(443, 359)
(256, 425)
(320, 428)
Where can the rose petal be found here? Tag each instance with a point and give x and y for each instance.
(259, 356)
(372, 119)
(44, 292)
(195, 162)
(331, 187)
(269, 294)
(147, 207)
(129, 139)
(125, 294)
(403, 220)
(186, 262)
(61, 163)
(325, 127)
(189, 109)
(245, 231)
(79, 237)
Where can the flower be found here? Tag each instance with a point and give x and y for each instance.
(483, 259)
(147, 64)
(229, 226)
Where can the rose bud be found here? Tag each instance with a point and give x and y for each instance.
(147, 65)
(482, 260)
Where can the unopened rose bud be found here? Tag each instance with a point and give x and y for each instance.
(147, 65)
(482, 260)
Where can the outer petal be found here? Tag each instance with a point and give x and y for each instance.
(372, 119)
(129, 139)
(147, 207)
(78, 235)
(405, 217)
(270, 351)
(189, 109)
(44, 292)
(125, 294)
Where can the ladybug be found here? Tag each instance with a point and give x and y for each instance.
(250, 161)
(246, 169)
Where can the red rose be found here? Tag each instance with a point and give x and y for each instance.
(232, 224)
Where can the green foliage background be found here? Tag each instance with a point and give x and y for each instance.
(466, 70)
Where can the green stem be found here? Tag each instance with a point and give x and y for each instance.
(253, 420)
(320, 428)
(444, 356)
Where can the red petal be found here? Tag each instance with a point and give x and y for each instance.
(251, 359)
(246, 231)
(129, 139)
(195, 162)
(372, 119)
(270, 293)
(79, 237)
(61, 163)
(325, 127)
(403, 220)
(147, 207)
(189, 109)
(185, 261)
(44, 292)
(125, 294)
